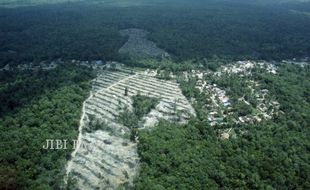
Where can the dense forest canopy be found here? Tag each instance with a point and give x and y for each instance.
(268, 155)
(90, 30)
(38, 104)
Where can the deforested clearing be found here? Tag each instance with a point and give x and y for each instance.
(138, 45)
(106, 157)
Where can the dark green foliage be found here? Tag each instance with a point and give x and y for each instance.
(269, 155)
(213, 65)
(188, 88)
(126, 91)
(186, 30)
(165, 75)
(242, 109)
(141, 106)
(52, 113)
(19, 88)
(96, 124)
(235, 85)
(41, 105)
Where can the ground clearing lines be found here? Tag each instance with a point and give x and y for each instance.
(107, 159)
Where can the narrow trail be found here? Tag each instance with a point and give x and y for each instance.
(82, 124)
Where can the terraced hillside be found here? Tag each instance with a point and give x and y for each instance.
(105, 158)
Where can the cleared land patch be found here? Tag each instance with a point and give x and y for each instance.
(138, 45)
(106, 156)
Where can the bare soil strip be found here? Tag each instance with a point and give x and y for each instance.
(105, 158)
